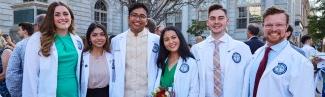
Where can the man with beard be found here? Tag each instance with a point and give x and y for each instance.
(276, 69)
(221, 59)
(134, 70)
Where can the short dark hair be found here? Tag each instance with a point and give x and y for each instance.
(217, 7)
(183, 49)
(28, 27)
(290, 29)
(305, 38)
(91, 28)
(273, 10)
(253, 29)
(138, 5)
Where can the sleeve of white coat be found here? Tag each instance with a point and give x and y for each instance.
(200, 71)
(302, 82)
(31, 70)
(194, 88)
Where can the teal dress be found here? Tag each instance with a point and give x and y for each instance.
(67, 63)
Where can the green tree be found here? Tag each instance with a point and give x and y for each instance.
(197, 27)
(316, 25)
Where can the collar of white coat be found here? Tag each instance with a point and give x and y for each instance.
(224, 39)
(279, 47)
(144, 32)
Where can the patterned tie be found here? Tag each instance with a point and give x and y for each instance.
(217, 71)
(260, 70)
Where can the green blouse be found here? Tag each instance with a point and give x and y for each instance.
(67, 61)
(167, 79)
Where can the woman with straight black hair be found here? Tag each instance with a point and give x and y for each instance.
(178, 71)
(96, 61)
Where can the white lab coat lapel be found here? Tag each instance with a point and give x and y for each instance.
(85, 74)
(151, 61)
(275, 61)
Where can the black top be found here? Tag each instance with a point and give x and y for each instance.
(254, 43)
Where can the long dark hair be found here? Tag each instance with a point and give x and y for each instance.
(48, 28)
(183, 49)
(91, 28)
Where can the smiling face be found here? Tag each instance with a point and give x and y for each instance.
(275, 27)
(62, 18)
(98, 38)
(137, 20)
(171, 41)
(217, 21)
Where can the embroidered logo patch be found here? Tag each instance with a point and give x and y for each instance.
(236, 57)
(280, 69)
(79, 45)
(155, 48)
(184, 68)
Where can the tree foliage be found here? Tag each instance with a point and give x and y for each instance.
(197, 27)
(159, 9)
(316, 25)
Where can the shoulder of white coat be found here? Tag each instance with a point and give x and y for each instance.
(118, 36)
(154, 37)
(86, 53)
(109, 54)
(35, 36)
(190, 60)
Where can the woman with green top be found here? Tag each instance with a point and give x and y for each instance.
(178, 71)
(52, 58)
(96, 62)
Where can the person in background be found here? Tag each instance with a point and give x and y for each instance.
(9, 43)
(158, 29)
(53, 56)
(5, 53)
(96, 62)
(307, 48)
(15, 69)
(177, 65)
(253, 42)
(38, 22)
(199, 38)
(151, 25)
(289, 32)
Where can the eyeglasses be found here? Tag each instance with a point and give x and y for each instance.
(269, 26)
(141, 16)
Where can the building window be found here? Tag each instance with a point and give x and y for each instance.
(101, 13)
(242, 17)
(175, 19)
(246, 15)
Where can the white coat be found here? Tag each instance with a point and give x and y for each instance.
(117, 74)
(234, 58)
(85, 70)
(40, 73)
(294, 81)
(185, 84)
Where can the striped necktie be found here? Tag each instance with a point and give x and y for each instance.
(217, 71)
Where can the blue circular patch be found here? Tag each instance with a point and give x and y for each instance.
(79, 45)
(184, 68)
(155, 48)
(280, 69)
(236, 57)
